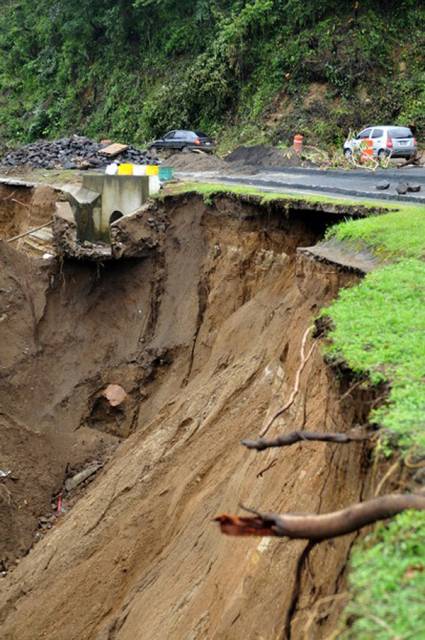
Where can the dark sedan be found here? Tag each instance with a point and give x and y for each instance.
(180, 140)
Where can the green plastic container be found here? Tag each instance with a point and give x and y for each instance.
(165, 173)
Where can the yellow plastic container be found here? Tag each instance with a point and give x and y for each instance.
(125, 170)
(152, 170)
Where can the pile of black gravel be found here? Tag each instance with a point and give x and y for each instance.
(76, 152)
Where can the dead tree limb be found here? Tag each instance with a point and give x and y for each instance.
(300, 436)
(296, 388)
(27, 233)
(319, 527)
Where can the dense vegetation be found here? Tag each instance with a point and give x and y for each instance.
(243, 69)
(388, 582)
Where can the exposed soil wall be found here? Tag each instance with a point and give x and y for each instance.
(23, 207)
(204, 335)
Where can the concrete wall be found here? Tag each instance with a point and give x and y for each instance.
(123, 194)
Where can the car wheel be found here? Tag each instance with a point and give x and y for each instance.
(185, 150)
(153, 150)
(382, 154)
(348, 153)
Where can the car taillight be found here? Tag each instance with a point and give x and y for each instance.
(389, 143)
(414, 140)
(197, 141)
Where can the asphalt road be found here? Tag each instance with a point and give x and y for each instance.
(349, 184)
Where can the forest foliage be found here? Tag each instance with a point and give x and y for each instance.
(248, 68)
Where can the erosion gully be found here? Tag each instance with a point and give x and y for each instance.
(204, 335)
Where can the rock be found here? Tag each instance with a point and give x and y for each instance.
(413, 188)
(72, 153)
(69, 165)
(80, 477)
(401, 188)
(384, 184)
(115, 394)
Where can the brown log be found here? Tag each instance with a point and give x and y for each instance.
(300, 436)
(320, 527)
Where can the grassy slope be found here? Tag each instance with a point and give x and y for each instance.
(388, 582)
(385, 336)
(380, 331)
(401, 235)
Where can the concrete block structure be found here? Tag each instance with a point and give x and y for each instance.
(102, 200)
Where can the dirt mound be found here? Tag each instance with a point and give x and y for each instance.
(241, 160)
(204, 337)
(69, 153)
(195, 162)
(265, 156)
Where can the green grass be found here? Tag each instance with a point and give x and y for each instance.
(388, 582)
(380, 330)
(400, 235)
(209, 190)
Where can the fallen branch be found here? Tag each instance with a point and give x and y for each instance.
(320, 527)
(11, 195)
(304, 359)
(27, 233)
(300, 436)
(23, 204)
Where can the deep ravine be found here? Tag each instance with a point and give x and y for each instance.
(204, 335)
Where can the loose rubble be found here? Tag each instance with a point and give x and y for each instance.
(76, 152)
(402, 187)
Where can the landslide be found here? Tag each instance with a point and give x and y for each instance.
(204, 335)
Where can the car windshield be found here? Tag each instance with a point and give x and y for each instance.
(400, 132)
(201, 135)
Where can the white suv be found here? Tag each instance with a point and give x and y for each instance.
(397, 142)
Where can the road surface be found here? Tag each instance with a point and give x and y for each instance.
(340, 183)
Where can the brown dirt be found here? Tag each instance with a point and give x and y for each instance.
(195, 162)
(261, 155)
(24, 207)
(204, 337)
(37, 444)
(241, 160)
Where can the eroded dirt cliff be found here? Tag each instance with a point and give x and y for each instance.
(204, 335)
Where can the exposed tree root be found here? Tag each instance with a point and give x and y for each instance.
(389, 473)
(300, 436)
(261, 473)
(320, 527)
(304, 359)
